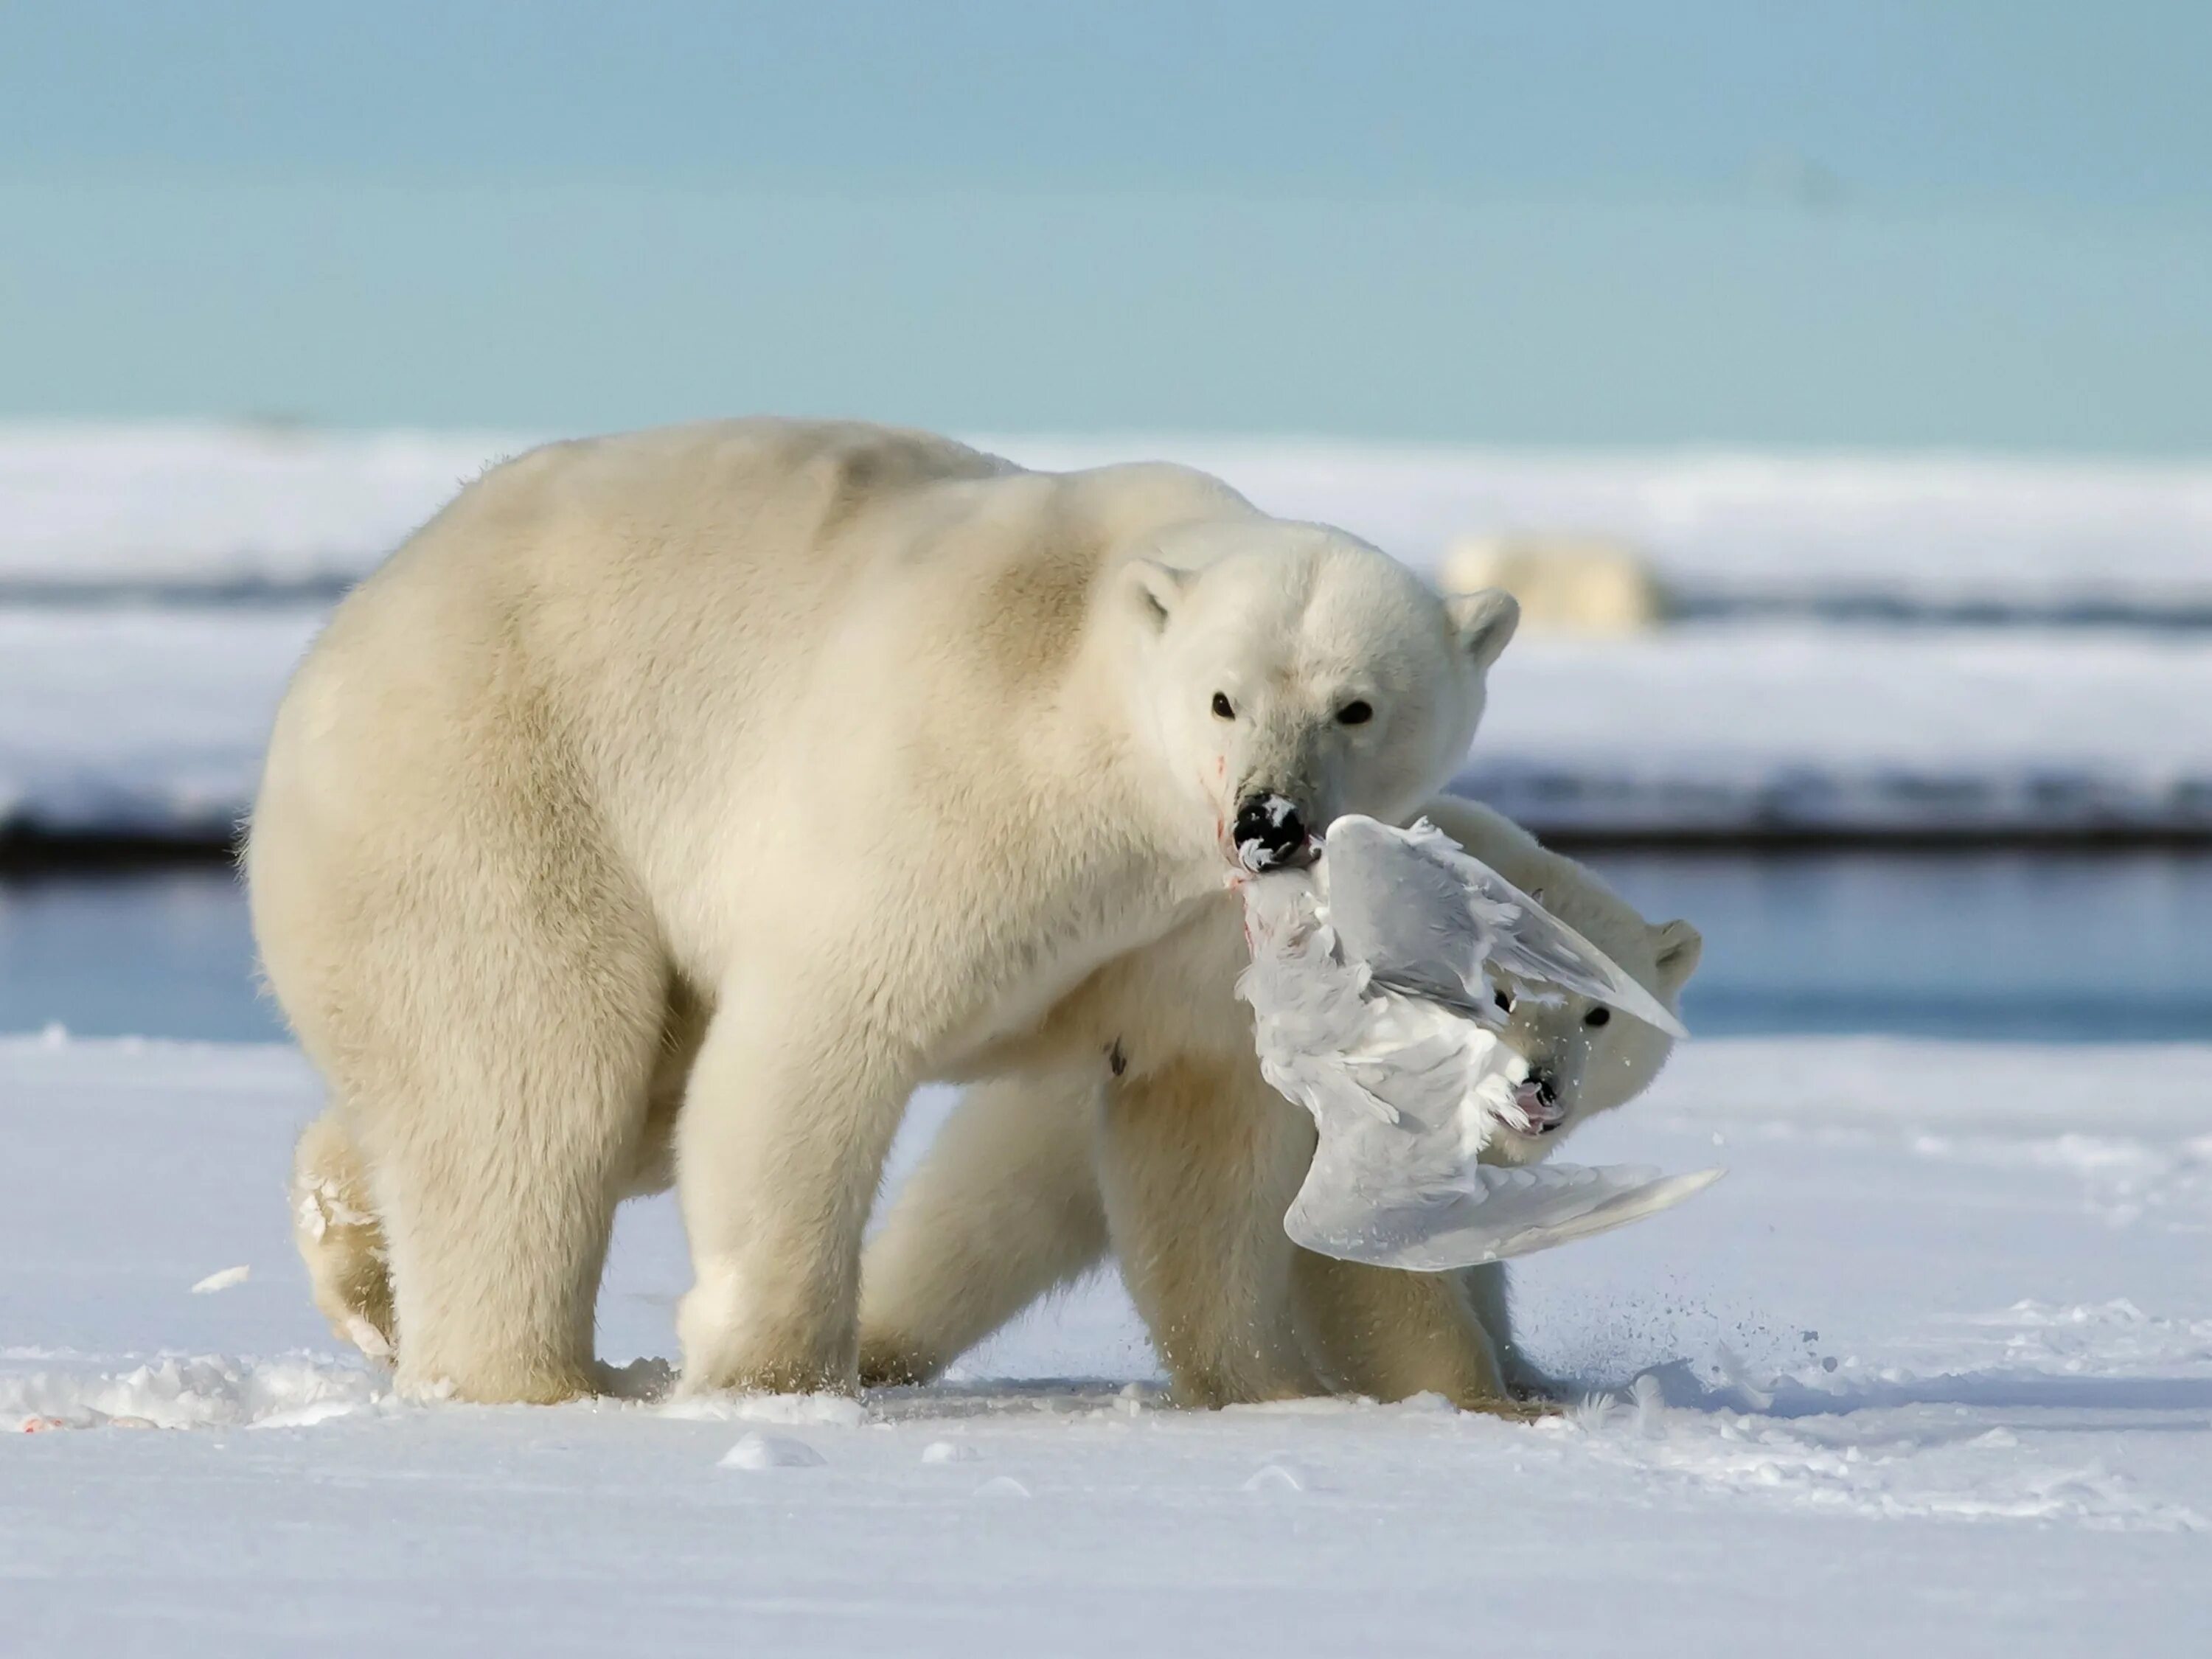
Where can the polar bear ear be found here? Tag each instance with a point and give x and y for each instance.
(1485, 622)
(1678, 947)
(1158, 588)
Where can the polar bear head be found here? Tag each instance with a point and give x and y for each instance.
(1584, 1058)
(1291, 674)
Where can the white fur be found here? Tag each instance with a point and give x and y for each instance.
(671, 804)
(1165, 1145)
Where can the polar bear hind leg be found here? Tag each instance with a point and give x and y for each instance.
(497, 1165)
(487, 1009)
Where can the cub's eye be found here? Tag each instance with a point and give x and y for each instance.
(1505, 1000)
(1223, 708)
(1357, 712)
(1597, 1017)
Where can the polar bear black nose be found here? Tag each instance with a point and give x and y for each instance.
(1540, 1099)
(1271, 834)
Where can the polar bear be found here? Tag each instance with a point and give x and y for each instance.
(1564, 584)
(1165, 1146)
(671, 804)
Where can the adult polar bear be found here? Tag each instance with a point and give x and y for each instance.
(747, 775)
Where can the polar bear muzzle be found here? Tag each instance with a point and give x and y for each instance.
(1271, 834)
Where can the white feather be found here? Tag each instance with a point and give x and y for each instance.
(1373, 1009)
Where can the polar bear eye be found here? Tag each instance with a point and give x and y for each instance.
(1597, 1017)
(1504, 999)
(1223, 708)
(1357, 712)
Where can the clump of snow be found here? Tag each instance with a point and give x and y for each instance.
(949, 1451)
(1280, 1475)
(222, 1280)
(1427, 1401)
(772, 1451)
(321, 1204)
(372, 1342)
(203, 1393)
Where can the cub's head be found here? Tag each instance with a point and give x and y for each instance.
(1291, 674)
(1583, 1057)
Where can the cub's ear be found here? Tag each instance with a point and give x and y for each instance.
(1678, 947)
(1156, 588)
(1485, 622)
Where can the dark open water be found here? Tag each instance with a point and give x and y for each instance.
(2040, 947)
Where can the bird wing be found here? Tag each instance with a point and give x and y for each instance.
(1430, 918)
(1490, 1214)
(1404, 911)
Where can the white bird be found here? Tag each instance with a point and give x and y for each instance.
(1428, 919)
(1370, 986)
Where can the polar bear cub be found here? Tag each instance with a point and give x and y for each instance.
(707, 789)
(1165, 1146)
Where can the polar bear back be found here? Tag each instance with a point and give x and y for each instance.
(741, 634)
(783, 530)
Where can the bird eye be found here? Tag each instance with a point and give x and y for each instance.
(1357, 712)
(1505, 1000)
(1223, 708)
(1597, 1017)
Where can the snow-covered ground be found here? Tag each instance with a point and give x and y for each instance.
(1934, 533)
(1930, 1372)
(224, 508)
(152, 719)
(140, 720)
(213, 509)
(1755, 726)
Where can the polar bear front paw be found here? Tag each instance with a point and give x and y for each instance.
(733, 1343)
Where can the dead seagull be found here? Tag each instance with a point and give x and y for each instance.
(1374, 1010)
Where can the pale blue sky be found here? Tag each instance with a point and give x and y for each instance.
(1953, 225)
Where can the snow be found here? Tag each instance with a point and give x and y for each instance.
(237, 508)
(219, 508)
(1902, 534)
(140, 720)
(1930, 1372)
(1761, 726)
(772, 1451)
(133, 700)
(118, 719)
